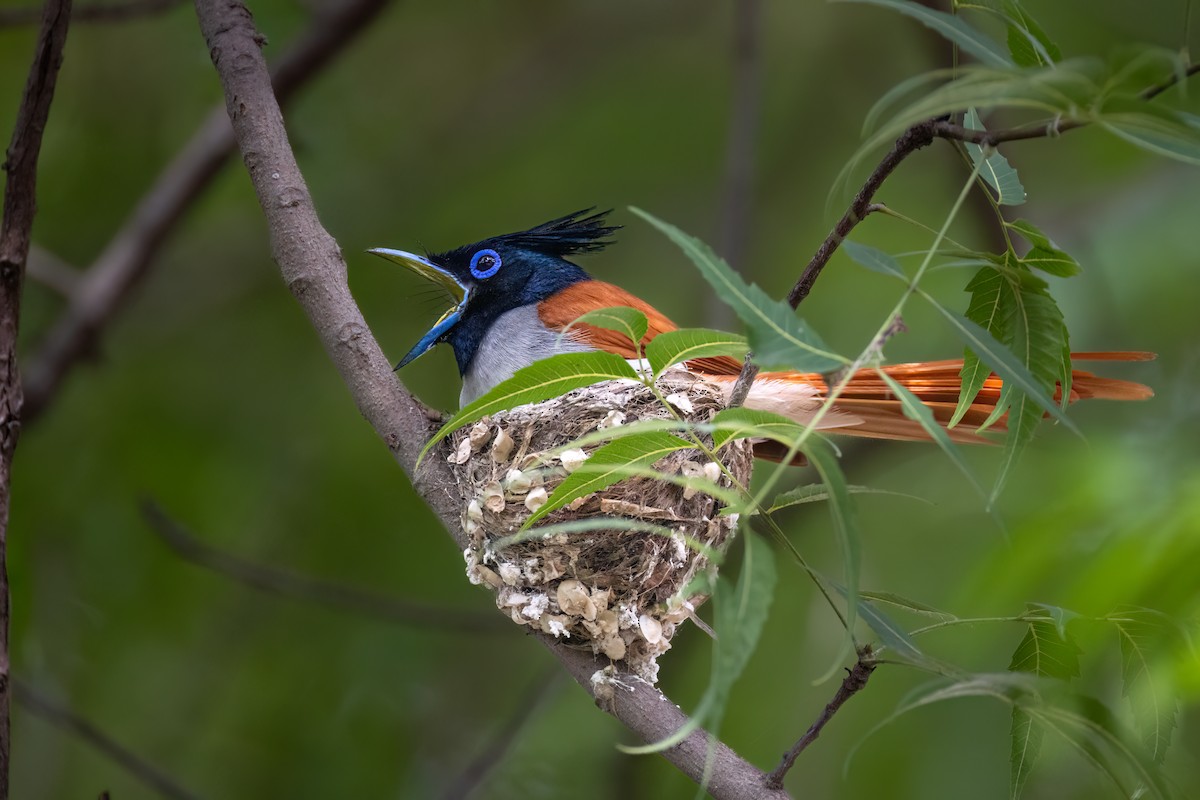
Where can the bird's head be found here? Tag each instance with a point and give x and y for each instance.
(496, 275)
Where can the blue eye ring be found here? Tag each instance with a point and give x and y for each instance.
(490, 268)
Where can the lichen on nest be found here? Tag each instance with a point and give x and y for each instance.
(618, 592)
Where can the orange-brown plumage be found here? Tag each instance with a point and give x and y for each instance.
(866, 407)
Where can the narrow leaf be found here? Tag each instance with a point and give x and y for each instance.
(874, 259)
(993, 167)
(915, 410)
(817, 492)
(607, 465)
(685, 344)
(779, 339)
(951, 27)
(1143, 680)
(748, 423)
(539, 381)
(739, 616)
(906, 604)
(622, 319)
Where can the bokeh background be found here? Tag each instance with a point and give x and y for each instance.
(446, 123)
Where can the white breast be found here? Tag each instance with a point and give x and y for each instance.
(515, 340)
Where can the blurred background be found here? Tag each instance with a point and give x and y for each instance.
(443, 124)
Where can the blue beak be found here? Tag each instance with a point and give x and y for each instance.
(431, 272)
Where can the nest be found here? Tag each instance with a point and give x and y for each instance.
(620, 593)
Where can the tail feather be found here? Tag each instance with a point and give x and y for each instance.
(868, 408)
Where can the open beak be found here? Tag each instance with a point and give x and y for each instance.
(430, 272)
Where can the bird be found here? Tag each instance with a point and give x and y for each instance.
(516, 296)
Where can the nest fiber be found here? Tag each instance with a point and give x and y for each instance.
(620, 593)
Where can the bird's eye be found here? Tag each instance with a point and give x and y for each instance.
(485, 264)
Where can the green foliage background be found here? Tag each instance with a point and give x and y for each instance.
(446, 124)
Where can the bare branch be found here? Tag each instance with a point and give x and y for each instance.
(502, 740)
(20, 205)
(854, 682)
(60, 716)
(108, 284)
(93, 12)
(312, 267)
(51, 271)
(336, 595)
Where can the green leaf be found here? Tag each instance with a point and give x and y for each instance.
(1046, 650)
(1003, 362)
(748, 423)
(685, 344)
(539, 381)
(1143, 636)
(951, 27)
(607, 465)
(845, 523)
(874, 259)
(622, 319)
(915, 410)
(1044, 254)
(1027, 42)
(779, 339)
(605, 523)
(993, 167)
(738, 619)
(817, 492)
(1156, 128)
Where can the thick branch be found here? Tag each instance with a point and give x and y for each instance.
(335, 595)
(61, 716)
(854, 682)
(108, 284)
(20, 204)
(312, 267)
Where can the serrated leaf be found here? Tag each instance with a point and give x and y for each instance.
(550, 377)
(738, 619)
(779, 338)
(685, 344)
(1027, 41)
(1003, 362)
(1044, 254)
(607, 467)
(749, 423)
(1155, 710)
(1045, 650)
(993, 167)
(915, 410)
(874, 259)
(951, 27)
(1059, 615)
(622, 319)
(817, 492)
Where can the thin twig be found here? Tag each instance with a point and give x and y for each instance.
(919, 136)
(854, 682)
(106, 286)
(737, 191)
(60, 716)
(506, 735)
(313, 268)
(19, 207)
(292, 584)
(51, 271)
(741, 388)
(93, 12)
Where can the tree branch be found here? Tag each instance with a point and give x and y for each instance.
(336, 595)
(20, 205)
(104, 288)
(854, 682)
(919, 136)
(313, 269)
(61, 716)
(93, 12)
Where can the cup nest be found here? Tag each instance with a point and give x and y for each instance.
(618, 592)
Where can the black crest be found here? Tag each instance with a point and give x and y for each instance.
(574, 233)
